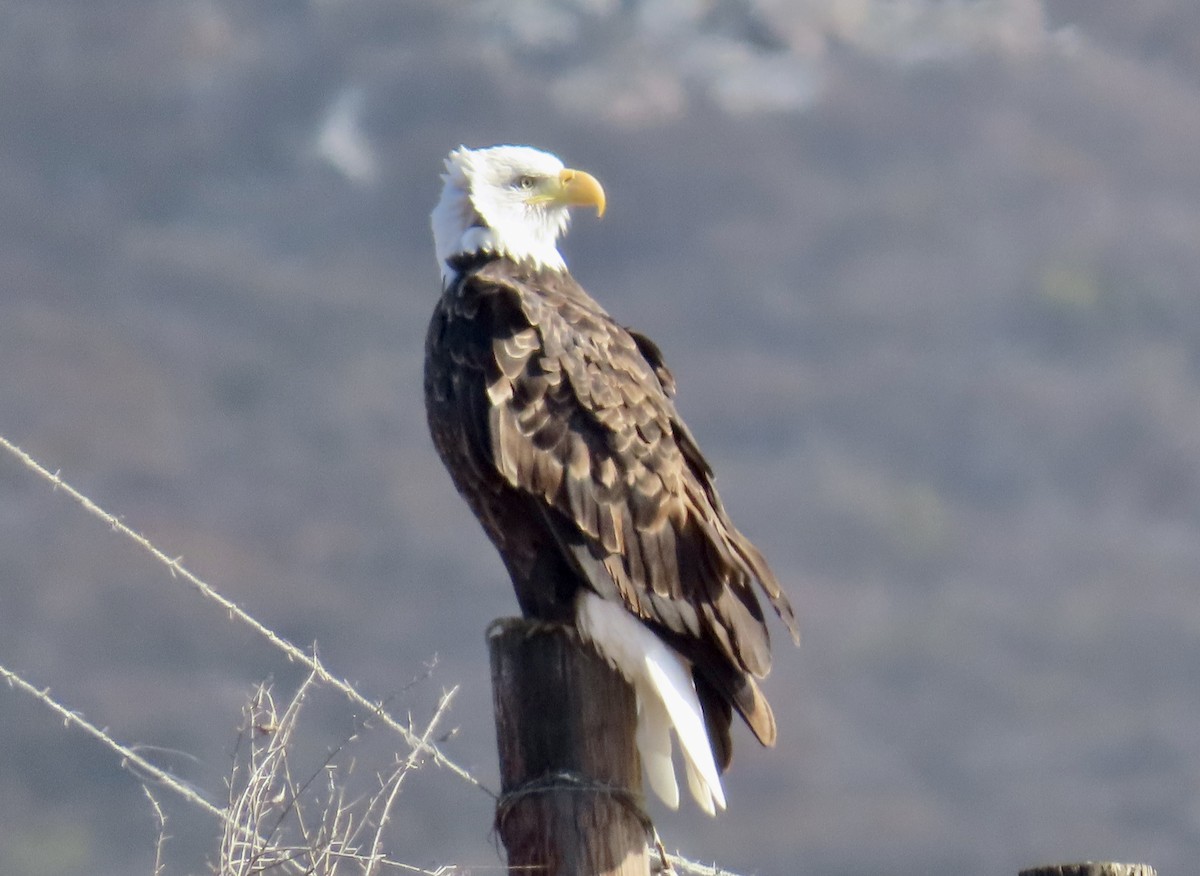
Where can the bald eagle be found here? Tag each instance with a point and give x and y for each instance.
(558, 427)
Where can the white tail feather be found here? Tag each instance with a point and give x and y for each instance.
(666, 697)
(701, 791)
(671, 679)
(654, 745)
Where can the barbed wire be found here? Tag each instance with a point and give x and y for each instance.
(292, 652)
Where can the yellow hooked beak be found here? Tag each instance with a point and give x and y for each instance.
(576, 188)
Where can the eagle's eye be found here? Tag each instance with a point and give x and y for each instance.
(526, 182)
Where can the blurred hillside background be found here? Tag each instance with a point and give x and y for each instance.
(926, 273)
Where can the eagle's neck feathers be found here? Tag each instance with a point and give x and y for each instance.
(536, 251)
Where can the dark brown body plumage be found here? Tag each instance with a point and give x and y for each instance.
(558, 428)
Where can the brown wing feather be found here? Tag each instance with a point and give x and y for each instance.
(627, 458)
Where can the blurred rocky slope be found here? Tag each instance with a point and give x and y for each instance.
(926, 272)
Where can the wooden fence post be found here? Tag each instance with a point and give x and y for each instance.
(1091, 868)
(571, 779)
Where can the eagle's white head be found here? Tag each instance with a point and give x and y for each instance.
(513, 201)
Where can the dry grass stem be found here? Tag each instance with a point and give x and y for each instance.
(307, 826)
(161, 842)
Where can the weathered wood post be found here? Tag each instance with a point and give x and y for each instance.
(571, 779)
(1091, 868)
